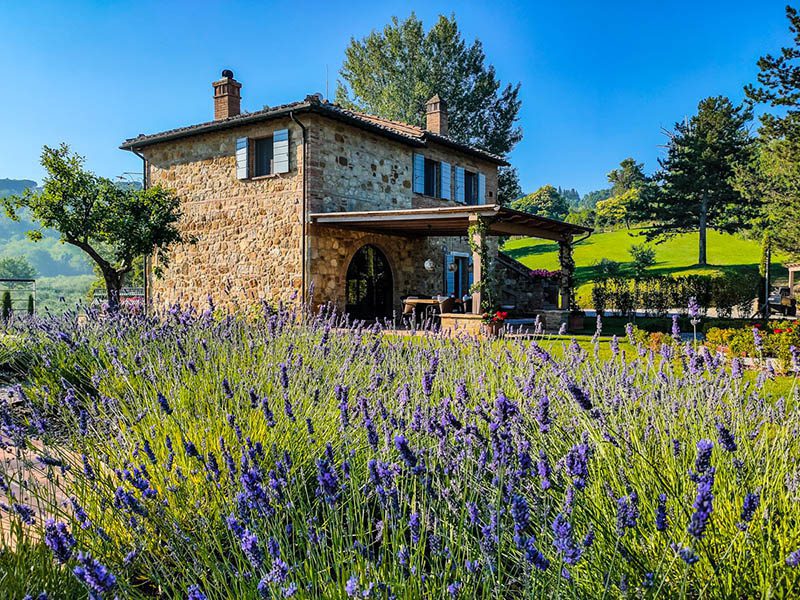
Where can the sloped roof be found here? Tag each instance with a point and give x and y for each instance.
(401, 132)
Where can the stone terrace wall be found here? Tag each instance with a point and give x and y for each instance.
(248, 233)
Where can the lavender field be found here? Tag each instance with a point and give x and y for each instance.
(208, 456)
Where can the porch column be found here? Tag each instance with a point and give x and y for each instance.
(567, 272)
(792, 272)
(477, 267)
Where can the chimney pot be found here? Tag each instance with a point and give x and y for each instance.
(227, 96)
(436, 113)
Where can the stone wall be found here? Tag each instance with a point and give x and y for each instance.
(519, 289)
(248, 233)
(354, 170)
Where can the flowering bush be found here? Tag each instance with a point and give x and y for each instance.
(207, 456)
(495, 317)
(544, 274)
(774, 339)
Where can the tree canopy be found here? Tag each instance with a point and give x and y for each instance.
(112, 225)
(16, 267)
(545, 202)
(394, 72)
(697, 191)
(772, 178)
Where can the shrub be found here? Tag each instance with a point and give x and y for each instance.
(643, 257)
(606, 268)
(599, 296)
(30, 304)
(6, 305)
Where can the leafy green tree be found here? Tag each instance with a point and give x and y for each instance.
(772, 178)
(697, 191)
(508, 188)
(16, 267)
(628, 176)
(112, 225)
(591, 199)
(545, 202)
(571, 196)
(392, 73)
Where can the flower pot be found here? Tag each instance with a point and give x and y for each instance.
(492, 330)
(575, 322)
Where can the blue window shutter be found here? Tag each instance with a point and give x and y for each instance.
(460, 185)
(445, 187)
(450, 276)
(242, 167)
(280, 151)
(419, 174)
(481, 188)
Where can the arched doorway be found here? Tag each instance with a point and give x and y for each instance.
(368, 289)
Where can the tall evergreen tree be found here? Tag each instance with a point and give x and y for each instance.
(392, 73)
(697, 191)
(773, 177)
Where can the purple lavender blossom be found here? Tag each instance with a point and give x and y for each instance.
(406, 453)
(793, 560)
(703, 505)
(687, 554)
(563, 540)
(758, 342)
(627, 512)
(25, 512)
(543, 413)
(351, 587)
(661, 513)
(725, 438)
(676, 329)
(694, 308)
(703, 461)
(577, 464)
(543, 469)
(59, 540)
(193, 593)
(749, 508)
(164, 403)
(96, 577)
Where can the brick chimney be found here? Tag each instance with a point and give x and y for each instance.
(227, 96)
(436, 112)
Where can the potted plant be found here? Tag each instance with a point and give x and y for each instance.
(492, 322)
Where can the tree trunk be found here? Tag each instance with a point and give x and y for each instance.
(701, 260)
(113, 286)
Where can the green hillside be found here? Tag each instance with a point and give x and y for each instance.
(677, 256)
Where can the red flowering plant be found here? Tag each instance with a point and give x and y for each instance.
(543, 274)
(495, 317)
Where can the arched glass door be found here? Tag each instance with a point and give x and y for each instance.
(368, 289)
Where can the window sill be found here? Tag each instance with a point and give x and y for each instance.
(270, 176)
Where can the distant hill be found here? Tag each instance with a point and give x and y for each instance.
(49, 256)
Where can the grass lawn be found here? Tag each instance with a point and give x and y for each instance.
(677, 256)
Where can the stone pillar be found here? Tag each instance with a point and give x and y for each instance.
(567, 272)
(792, 272)
(477, 266)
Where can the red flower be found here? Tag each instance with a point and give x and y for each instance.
(757, 325)
(777, 331)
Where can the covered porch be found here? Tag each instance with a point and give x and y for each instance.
(477, 223)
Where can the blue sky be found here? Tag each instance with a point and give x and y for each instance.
(599, 79)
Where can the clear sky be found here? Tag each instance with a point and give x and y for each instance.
(599, 78)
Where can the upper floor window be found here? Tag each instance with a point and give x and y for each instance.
(432, 177)
(433, 182)
(262, 156)
(470, 187)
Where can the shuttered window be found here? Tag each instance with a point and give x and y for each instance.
(459, 182)
(432, 178)
(444, 168)
(481, 188)
(280, 151)
(419, 174)
(242, 158)
(470, 187)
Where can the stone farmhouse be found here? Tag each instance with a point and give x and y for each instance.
(363, 210)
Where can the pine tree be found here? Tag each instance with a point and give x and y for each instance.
(697, 192)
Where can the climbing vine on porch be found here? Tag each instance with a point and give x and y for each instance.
(487, 286)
